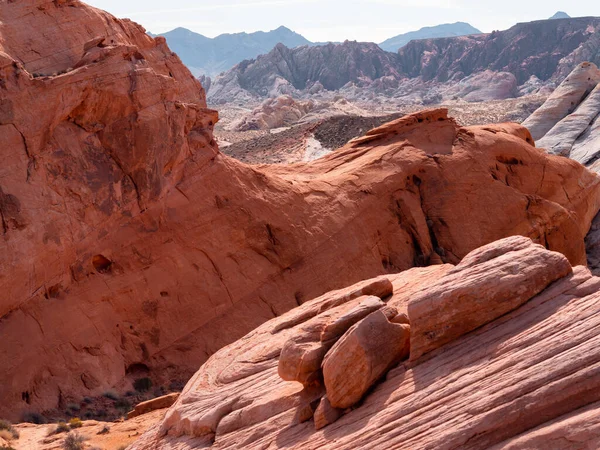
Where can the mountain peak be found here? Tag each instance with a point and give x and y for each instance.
(211, 56)
(560, 15)
(438, 31)
(182, 33)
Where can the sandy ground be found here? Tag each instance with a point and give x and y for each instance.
(120, 435)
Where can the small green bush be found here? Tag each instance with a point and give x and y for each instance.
(176, 386)
(34, 417)
(142, 384)
(5, 425)
(74, 441)
(61, 427)
(123, 404)
(75, 422)
(112, 395)
(159, 391)
(6, 447)
(73, 407)
(87, 400)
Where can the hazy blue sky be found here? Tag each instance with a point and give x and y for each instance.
(323, 20)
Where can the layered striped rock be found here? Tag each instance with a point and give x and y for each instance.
(532, 365)
(568, 123)
(302, 356)
(488, 283)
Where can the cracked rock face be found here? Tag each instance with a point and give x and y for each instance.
(519, 378)
(128, 241)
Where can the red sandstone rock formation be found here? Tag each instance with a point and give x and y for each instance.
(361, 356)
(130, 245)
(528, 364)
(148, 406)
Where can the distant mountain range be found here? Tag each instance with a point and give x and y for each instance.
(211, 56)
(439, 31)
(533, 52)
(327, 67)
(206, 56)
(546, 49)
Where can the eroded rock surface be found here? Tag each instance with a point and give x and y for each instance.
(484, 86)
(472, 392)
(302, 356)
(548, 49)
(326, 414)
(474, 67)
(284, 111)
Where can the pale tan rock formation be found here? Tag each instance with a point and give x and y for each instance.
(148, 406)
(546, 122)
(285, 111)
(484, 86)
(274, 113)
(97, 435)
